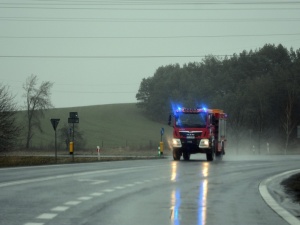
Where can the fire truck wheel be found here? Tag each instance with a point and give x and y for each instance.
(176, 154)
(186, 156)
(219, 155)
(210, 156)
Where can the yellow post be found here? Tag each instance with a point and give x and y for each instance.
(71, 148)
(161, 145)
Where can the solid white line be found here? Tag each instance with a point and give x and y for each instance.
(47, 216)
(60, 208)
(73, 203)
(26, 181)
(287, 216)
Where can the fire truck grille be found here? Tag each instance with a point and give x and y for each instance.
(190, 134)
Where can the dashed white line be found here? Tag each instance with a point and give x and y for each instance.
(73, 203)
(119, 187)
(108, 190)
(85, 198)
(93, 181)
(96, 194)
(34, 224)
(47, 216)
(60, 208)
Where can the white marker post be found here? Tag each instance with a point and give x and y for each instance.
(98, 150)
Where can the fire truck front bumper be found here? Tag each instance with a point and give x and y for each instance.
(202, 144)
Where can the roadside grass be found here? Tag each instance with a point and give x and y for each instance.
(16, 161)
(292, 187)
(107, 126)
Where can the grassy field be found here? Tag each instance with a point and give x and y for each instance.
(111, 126)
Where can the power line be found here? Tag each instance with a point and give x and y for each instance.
(98, 92)
(146, 20)
(150, 9)
(150, 3)
(147, 37)
(107, 57)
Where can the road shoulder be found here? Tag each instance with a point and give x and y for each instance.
(274, 195)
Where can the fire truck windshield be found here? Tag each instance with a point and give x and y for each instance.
(191, 120)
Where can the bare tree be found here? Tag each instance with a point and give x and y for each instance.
(65, 134)
(9, 130)
(287, 121)
(37, 101)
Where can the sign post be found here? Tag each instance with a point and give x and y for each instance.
(98, 151)
(73, 118)
(54, 123)
(161, 144)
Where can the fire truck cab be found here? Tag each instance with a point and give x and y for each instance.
(198, 130)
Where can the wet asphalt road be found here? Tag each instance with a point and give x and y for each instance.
(143, 192)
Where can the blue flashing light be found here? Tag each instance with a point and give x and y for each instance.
(176, 107)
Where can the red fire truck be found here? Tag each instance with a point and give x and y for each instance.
(198, 130)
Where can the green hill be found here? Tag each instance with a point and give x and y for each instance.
(110, 126)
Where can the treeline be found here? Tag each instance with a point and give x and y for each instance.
(259, 90)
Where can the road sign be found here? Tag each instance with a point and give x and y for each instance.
(73, 120)
(73, 117)
(73, 114)
(54, 123)
(162, 131)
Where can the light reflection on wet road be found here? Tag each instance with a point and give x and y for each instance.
(142, 192)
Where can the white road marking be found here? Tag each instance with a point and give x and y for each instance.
(60, 208)
(85, 198)
(73, 203)
(96, 194)
(119, 187)
(34, 224)
(108, 190)
(47, 216)
(93, 181)
(26, 181)
(263, 189)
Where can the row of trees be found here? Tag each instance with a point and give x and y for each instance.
(260, 91)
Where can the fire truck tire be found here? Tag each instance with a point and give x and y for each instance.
(219, 155)
(210, 156)
(176, 154)
(186, 156)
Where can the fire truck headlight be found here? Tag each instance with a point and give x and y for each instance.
(204, 143)
(176, 143)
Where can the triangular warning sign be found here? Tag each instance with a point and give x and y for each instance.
(55, 123)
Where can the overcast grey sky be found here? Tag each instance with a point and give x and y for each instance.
(98, 51)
